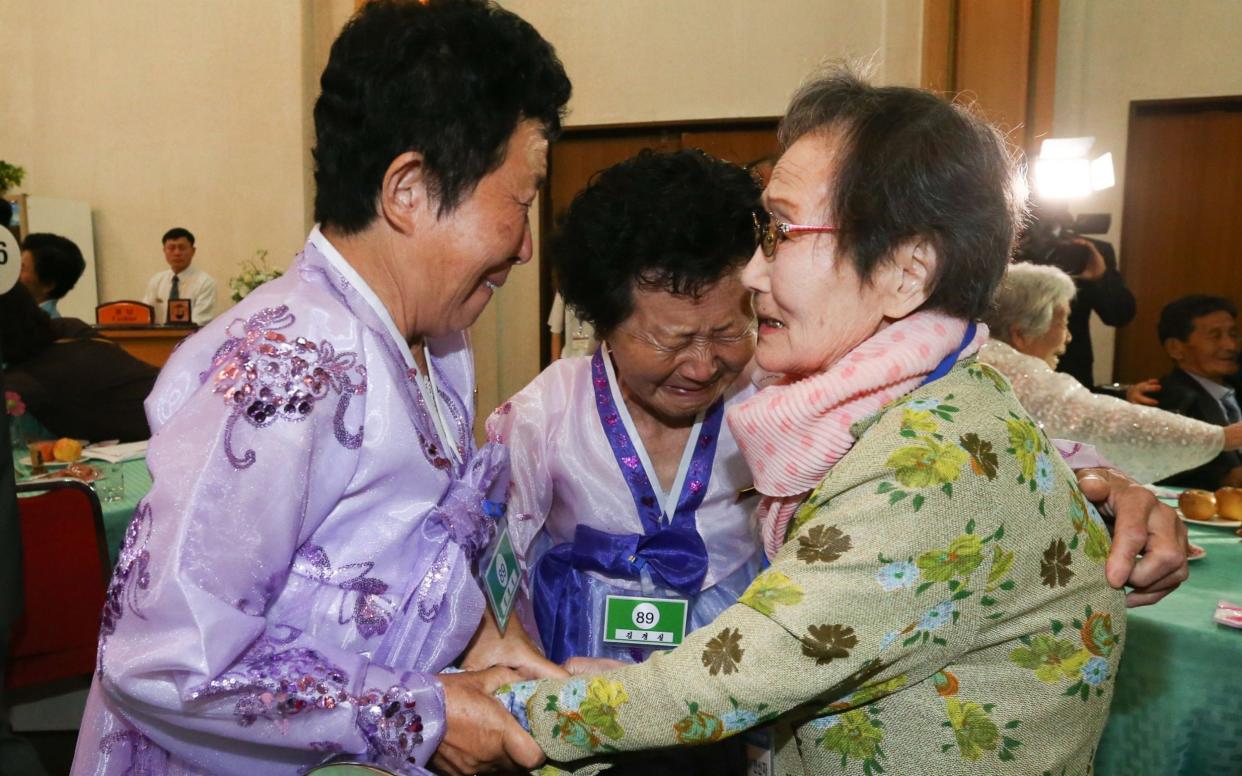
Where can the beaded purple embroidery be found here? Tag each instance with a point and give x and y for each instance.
(275, 683)
(130, 578)
(264, 375)
(392, 726)
(371, 610)
(145, 757)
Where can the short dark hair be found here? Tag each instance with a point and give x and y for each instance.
(450, 79)
(57, 260)
(25, 330)
(176, 233)
(915, 165)
(677, 222)
(1177, 319)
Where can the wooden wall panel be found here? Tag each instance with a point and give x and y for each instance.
(998, 55)
(992, 58)
(1181, 231)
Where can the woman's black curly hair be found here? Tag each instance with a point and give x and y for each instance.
(450, 79)
(677, 222)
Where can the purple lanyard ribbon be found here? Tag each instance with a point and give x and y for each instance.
(693, 490)
(671, 551)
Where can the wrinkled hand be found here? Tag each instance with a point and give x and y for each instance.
(1141, 524)
(1140, 393)
(514, 649)
(580, 666)
(479, 735)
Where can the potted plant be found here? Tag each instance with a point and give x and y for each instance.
(10, 176)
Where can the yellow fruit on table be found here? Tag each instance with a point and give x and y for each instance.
(1197, 504)
(67, 450)
(1229, 503)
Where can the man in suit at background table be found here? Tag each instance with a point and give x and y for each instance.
(1200, 334)
(181, 281)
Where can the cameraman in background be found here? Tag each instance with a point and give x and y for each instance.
(1054, 237)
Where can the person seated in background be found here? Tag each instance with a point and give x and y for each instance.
(1028, 324)
(1200, 334)
(51, 266)
(181, 281)
(571, 336)
(72, 381)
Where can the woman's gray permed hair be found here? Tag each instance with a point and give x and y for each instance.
(1026, 300)
(915, 166)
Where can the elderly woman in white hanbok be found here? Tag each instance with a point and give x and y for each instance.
(1028, 327)
(625, 480)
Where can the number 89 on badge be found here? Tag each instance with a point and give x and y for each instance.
(651, 622)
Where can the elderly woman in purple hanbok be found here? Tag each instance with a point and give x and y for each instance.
(301, 570)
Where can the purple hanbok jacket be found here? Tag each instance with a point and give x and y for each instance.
(301, 568)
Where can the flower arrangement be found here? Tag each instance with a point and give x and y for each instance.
(13, 404)
(254, 273)
(10, 176)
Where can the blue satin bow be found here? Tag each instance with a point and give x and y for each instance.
(676, 559)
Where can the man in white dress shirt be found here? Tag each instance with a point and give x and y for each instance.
(181, 281)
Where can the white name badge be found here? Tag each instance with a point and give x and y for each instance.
(645, 622)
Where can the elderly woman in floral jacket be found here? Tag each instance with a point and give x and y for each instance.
(936, 601)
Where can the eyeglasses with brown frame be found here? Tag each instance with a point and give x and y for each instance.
(769, 232)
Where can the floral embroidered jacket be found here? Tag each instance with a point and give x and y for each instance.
(939, 607)
(301, 567)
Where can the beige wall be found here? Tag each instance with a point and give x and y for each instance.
(1110, 52)
(161, 113)
(652, 60)
(181, 112)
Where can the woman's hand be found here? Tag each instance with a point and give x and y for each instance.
(514, 649)
(479, 734)
(1142, 525)
(580, 666)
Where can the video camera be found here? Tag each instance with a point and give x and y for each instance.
(1049, 239)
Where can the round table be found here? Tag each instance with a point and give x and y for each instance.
(1177, 707)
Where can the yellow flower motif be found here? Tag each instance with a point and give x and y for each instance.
(973, 729)
(1002, 561)
(770, 589)
(1026, 443)
(1098, 543)
(1052, 659)
(606, 693)
(963, 555)
(919, 421)
(928, 463)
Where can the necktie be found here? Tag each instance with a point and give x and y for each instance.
(175, 292)
(1230, 402)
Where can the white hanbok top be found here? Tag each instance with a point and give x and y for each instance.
(1147, 443)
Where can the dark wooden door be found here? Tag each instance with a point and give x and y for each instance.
(1182, 224)
(582, 152)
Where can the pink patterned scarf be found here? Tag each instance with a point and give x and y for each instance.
(792, 433)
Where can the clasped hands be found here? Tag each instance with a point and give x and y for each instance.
(481, 736)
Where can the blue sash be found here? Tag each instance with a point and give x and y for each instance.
(671, 550)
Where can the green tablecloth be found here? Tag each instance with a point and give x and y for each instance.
(1178, 702)
(117, 514)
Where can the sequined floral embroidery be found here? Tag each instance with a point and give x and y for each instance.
(276, 683)
(364, 602)
(264, 375)
(130, 579)
(392, 725)
(144, 756)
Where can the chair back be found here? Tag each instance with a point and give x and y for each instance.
(65, 573)
(125, 312)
